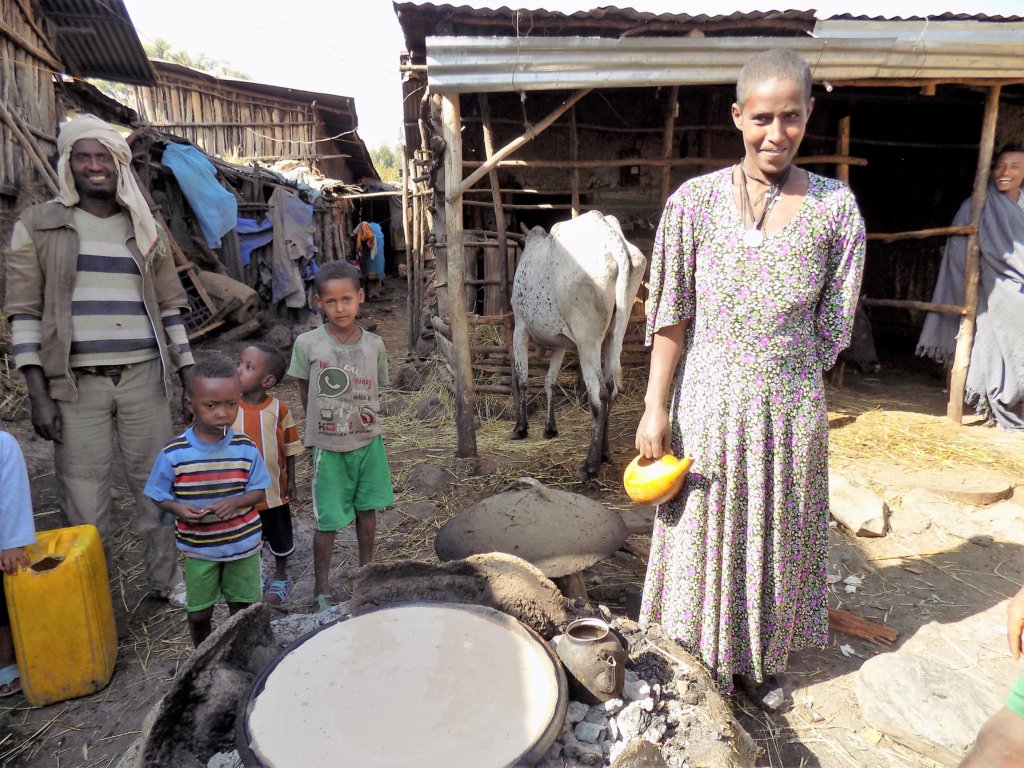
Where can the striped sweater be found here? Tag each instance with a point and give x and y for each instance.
(109, 322)
(271, 426)
(194, 472)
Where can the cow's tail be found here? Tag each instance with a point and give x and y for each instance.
(627, 282)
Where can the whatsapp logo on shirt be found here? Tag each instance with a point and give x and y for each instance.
(332, 382)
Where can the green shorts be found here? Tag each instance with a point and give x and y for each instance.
(1015, 701)
(237, 580)
(350, 482)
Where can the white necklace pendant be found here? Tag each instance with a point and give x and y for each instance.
(753, 237)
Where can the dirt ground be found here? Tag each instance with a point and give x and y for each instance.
(939, 569)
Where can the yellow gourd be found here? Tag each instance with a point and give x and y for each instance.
(655, 481)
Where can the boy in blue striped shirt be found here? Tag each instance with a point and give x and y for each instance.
(211, 480)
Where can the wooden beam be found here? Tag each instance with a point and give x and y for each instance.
(843, 148)
(530, 134)
(646, 161)
(972, 267)
(921, 234)
(574, 156)
(465, 397)
(668, 141)
(412, 321)
(927, 306)
(499, 211)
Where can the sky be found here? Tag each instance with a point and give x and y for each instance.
(352, 48)
(307, 44)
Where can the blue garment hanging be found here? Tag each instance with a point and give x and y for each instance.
(253, 234)
(215, 208)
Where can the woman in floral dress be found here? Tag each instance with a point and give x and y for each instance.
(754, 282)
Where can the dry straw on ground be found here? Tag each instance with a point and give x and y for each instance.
(860, 428)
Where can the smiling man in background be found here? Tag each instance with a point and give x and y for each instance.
(94, 302)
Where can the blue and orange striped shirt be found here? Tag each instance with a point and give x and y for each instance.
(193, 472)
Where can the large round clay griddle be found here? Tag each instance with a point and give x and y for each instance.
(560, 533)
(414, 685)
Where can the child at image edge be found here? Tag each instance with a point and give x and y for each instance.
(211, 480)
(341, 367)
(17, 530)
(269, 424)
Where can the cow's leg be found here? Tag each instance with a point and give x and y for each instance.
(610, 391)
(521, 364)
(557, 356)
(590, 365)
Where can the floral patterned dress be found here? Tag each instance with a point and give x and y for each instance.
(737, 568)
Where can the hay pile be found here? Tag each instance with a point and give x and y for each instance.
(898, 433)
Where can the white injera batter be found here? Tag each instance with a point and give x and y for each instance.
(417, 685)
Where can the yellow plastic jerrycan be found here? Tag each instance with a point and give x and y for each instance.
(62, 618)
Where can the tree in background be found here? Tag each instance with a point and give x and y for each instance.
(163, 50)
(388, 162)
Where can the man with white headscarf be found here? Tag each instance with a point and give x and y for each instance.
(95, 306)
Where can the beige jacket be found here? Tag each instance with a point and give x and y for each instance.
(41, 272)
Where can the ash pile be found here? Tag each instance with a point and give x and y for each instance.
(669, 715)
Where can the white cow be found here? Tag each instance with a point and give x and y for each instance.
(576, 286)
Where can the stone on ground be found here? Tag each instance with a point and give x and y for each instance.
(639, 519)
(923, 704)
(429, 408)
(856, 507)
(429, 479)
(422, 510)
(975, 486)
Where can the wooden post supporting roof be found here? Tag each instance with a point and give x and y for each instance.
(843, 148)
(668, 142)
(465, 397)
(574, 156)
(972, 267)
(499, 211)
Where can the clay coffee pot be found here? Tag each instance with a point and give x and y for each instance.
(594, 659)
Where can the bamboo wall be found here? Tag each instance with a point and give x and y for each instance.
(231, 123)
(27, 65)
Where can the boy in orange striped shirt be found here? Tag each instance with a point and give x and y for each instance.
(268, 423)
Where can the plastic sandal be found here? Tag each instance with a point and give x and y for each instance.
(276, 591)
(321, 603)
(7, 677)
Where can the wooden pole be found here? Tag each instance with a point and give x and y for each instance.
(574, 156)
(921, 234)
(843, 148)
(668, 140)
(411, 319)
(530, 134)
(499, 209)
(927, 306)
(465, 398)
(972, 271)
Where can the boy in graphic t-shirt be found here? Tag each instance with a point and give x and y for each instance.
(341, 367)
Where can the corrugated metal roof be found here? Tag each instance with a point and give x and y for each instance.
(837, 51)
(96, 38)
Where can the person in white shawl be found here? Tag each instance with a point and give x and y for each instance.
(995, 379)
(95, 305)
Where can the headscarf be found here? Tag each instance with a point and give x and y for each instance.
(128, 193)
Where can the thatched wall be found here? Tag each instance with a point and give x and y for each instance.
(27, 64)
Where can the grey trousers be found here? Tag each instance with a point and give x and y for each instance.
(137, 411)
